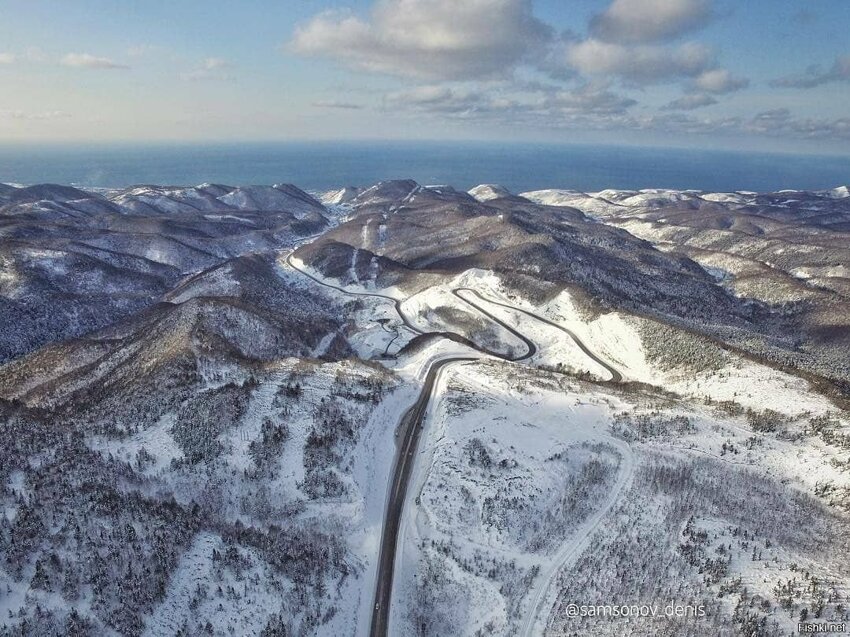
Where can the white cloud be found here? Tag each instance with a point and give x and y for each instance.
(684, 123)
(589, 98)
(690, 102)
(642, 21)
(816, 76)
(641, 63)
(336, 105)
(88, 61)
(442, 99)
(780, 122)
(513, 103)
(35, 55)
(212, 64)
(720, 81)
(32, 55)
(596, 107)
(211, 68)
(44, 115)
(436, 39)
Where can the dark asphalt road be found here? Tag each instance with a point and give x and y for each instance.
(409, 430)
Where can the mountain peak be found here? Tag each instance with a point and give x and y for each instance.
(487, 192)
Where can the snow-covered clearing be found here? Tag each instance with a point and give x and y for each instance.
(156, 441)
(249, 591)
(497, 458)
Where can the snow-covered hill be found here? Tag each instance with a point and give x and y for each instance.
(217, 402)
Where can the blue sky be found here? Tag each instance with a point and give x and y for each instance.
(761, 74)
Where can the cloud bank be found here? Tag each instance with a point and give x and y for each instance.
(720, 81)
(211, 68)
(643, 21)
(484, 59)
(641, 63)
(88, 61)
(433, 39)
(690, 102)
(814, 76)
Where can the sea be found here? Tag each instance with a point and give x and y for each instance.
(326, 165)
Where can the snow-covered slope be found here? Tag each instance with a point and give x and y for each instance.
(486, 192)
(218, 403)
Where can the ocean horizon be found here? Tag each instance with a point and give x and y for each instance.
(324, 165)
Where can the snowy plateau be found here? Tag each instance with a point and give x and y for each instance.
(411, 410)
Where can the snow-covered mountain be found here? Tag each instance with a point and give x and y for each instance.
(76, 261)
(413, 410)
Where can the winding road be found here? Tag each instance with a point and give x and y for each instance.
(530, 346)
(616, 376)
(396, 302)
(408, 434)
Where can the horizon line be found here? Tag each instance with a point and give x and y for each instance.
(159, 143)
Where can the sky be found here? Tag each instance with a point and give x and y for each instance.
(767, 75)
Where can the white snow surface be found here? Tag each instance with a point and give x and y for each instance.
(488, 192)
(245, 612)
